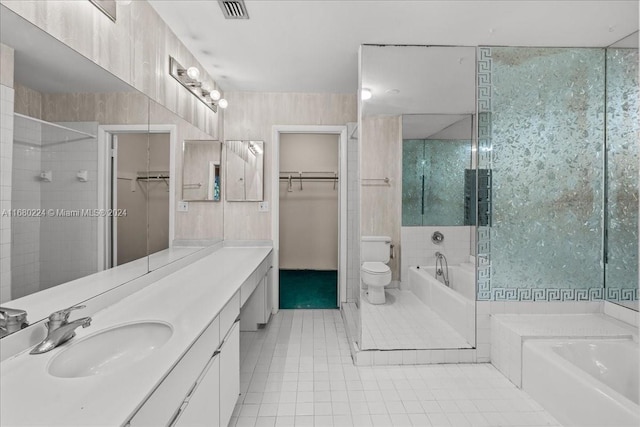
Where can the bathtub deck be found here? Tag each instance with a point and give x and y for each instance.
(509, 331)
(405, 322)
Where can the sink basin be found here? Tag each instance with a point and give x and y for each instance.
(110, 350)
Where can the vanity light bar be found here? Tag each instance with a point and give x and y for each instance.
(188, 77)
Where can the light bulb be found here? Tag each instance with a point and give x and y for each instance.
(193, 73)
(365, 94)
(223, 103)
(215, 95)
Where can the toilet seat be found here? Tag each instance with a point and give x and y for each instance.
(375, 268)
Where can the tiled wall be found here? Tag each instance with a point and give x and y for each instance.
(25, 195)
(6, 156)
(52, 249)
(418, 249)
(67, 245)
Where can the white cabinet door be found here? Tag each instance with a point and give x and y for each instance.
(203, 407)
(229, 374)
(268, 294)
(252, 313)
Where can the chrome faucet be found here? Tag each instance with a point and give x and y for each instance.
(12, 320)
(442, 269)
(60, 329)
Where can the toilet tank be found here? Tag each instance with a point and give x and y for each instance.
(375, 249)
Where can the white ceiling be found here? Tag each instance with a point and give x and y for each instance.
(312, 45)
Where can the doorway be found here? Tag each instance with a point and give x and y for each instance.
(140, 190)
(309, 216)
(136, 182)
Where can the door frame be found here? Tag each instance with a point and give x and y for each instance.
(341, 131)
(105, 179)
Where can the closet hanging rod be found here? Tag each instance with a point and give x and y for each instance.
(153, 176)
(302, 172)
(306, 178)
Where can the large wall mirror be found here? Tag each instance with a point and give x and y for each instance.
(77, 159)
(419, 185)
(88, 176)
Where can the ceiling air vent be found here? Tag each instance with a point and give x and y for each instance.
(233, 9)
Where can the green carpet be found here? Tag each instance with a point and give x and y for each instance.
(308, 289)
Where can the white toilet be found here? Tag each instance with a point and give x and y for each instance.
(375, 272)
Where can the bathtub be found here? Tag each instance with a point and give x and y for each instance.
(455, 304)
(584, 382)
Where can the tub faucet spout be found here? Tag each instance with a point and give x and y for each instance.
(442, 267)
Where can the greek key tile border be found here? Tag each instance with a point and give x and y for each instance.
(554, 294)
(484, 79)
(483, 242)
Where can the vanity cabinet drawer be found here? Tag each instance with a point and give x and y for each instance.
(165, 401)
(229, 314)
(203, 406)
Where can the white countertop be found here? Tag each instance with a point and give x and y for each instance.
(188, 299)
(40, 304)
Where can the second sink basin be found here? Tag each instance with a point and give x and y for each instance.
(110, 350)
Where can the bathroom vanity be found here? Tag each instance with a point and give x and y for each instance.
(167, 354)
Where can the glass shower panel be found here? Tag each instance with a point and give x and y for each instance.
(446, 162)
(433, 181)
(622, 172)
(547, 129)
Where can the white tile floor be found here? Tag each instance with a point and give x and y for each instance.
(298, 372)
(405, 322)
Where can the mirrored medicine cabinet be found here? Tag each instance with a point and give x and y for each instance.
(244, 171)
(201, 171)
